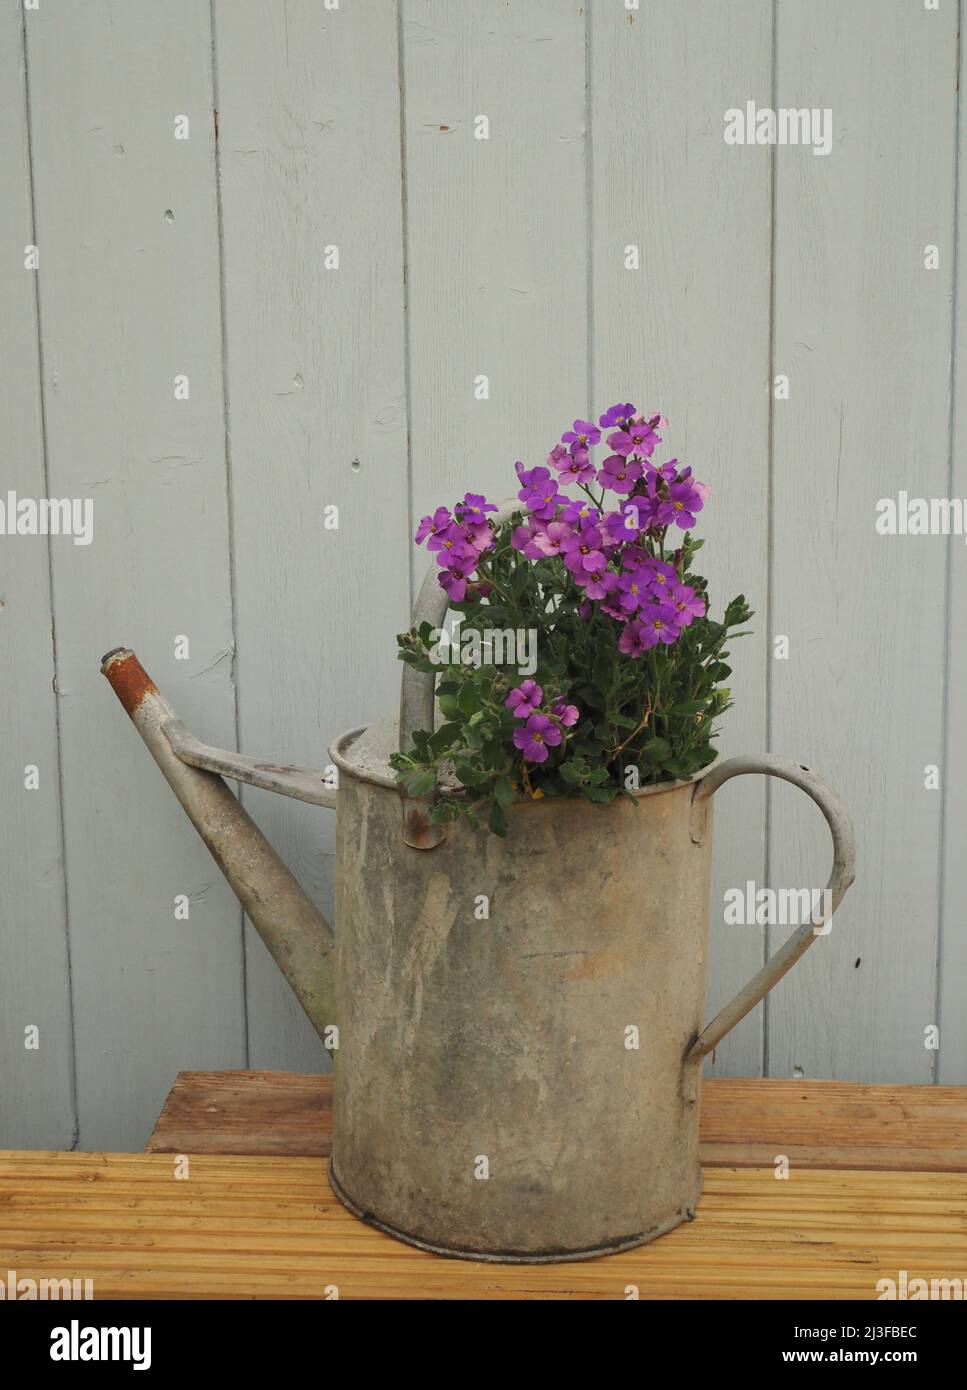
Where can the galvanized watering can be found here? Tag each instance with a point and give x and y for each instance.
(487, 1102)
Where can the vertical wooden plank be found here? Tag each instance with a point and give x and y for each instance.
(688, 334)
(952, 957)
(126, 221)
(309, 148)
(863, 332)
(36, 1082)
(496, 239)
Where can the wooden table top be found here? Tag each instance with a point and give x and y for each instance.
(877, 1184)
(744, 1122)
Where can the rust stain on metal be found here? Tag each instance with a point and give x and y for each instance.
(419, 831)
(129, 680)
(417, 825)
(600, 965)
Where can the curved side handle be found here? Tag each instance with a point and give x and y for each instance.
(840, 877)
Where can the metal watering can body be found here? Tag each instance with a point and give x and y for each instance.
(510, 1081)
(519, 1021)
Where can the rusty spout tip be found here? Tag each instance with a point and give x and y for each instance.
(128, 678)
(109, 656)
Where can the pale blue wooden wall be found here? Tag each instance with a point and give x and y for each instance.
(354, 126)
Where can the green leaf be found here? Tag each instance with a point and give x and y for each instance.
(519, 581)
(498, 820)
(504, 792)
(468, 699)
(573, 772)
(601, 794)
(419, 783)
(443, 738)
(655, 750)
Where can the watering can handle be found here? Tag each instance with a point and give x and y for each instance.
(840, 877)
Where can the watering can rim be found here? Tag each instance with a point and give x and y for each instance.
(339, 754)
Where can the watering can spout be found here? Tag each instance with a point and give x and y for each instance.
(296, 934)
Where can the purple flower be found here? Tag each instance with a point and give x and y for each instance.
(687, 603)
(576, 513)
(659, 624)
(619, 474)
(537, 735)
(454, 580)
(540, 494)
(582, 551)
(632, 640)
(635, 591)
(661, 575)
(430, 525)
(613, 610)
(638, 438)
(649, 506)
(624, 524)
(598, 583)
(452, 544)
(552, 540)
(685, 500)
(633, 558)
(558, 457)
(479, 536)
(578, 468)
(619, 415)
(583, 433)
(473, 507)
(567, 714)
(525, 699)
(702, 489)
(529, 476)
(668, 472)
(524, 540)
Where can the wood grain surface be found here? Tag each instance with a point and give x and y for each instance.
(744, 1122)
(245, 1227)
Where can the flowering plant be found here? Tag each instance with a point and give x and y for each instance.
(625, 684)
